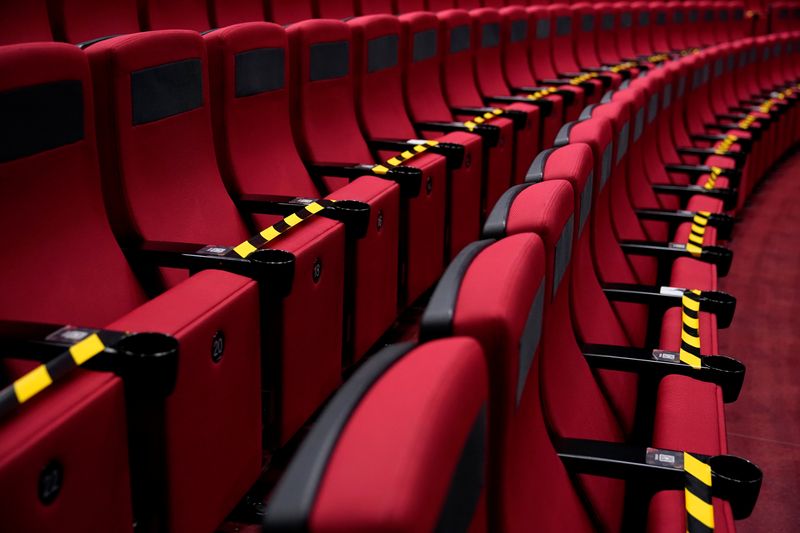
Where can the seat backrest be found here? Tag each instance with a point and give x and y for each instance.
(676, 22)
(483, 296)
(659, 24)
(541, 43)
(287, 11)
(693, 24)
(515, 33)
(421, 57)
(321, 55)
(642, 28)
(378, 76)
(249, 78)
(487, 56)
(49, 172)
(606, 29)
(457, 43)
(739, 25)
(227, 12)
(334, 9)
(586, 21)
(439, 5)
(400, 7)
(624, 34)
(78, 21)
(156, 145)
(344, 475)
(24, 22)
(563, 37)
(174, 14)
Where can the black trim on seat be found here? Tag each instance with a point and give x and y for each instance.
(497, 221)
(425, 45)
(437, 320)
(259, 71)
(329, 60)
(562, 139)
(382, 53)
(292, 502)
(467, 482)
(166, 90)
(535, 172)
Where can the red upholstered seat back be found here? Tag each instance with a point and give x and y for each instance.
(516, 31)
(322, 59)
(174, 14)
(287, 11)
(378, 74)
(677, 16)
(439, 5)
(642, 28)
(541, 43)
(457, 42)
(373, 7)
(488, 54)
(227, 12)
(421, 55)
(587, 23)
(624, 31)
(22, 22)
(250, 108)
(77, 21)
(156, 143)
(563, 35)
(334, 9)
(49, 166)
(401, 7)
(659, 25)
(606, 27)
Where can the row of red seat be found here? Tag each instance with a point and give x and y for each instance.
(170, 148)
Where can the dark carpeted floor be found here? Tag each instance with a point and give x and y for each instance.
(764, 424)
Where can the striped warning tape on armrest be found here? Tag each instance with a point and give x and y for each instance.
(279, 228)
(697, 493)
(690, 328)
(480, 119)
(44, 375)
(541, 93)
(398, 160)
(698, 229)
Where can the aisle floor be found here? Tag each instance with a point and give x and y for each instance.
(764, 424)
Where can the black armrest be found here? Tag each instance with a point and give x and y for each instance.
(721, 370)
(453, 152)
(519, 118)
(273, 266)
(739, 158)
(408, 178)
(744, 143)
(752, 102)
(554, 81)
(733, 174)
(715, 255)
(588, 88)
(545, 106)
(733, 479)
(489, 133)
(722, 222)
(728, 196)
(755, 132)
(352, 213)
(148, 361)
(719, 303)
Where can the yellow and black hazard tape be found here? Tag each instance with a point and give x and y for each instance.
(577, 80)
(711, 182)
(620, 67)
(276, 230)
(698, 228)
(44, 375)
(697, 494)
(658, 58)
(725, 146)
(538, 95)
(398, 160)
(689, 352)
(477, 120)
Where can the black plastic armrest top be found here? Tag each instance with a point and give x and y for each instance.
(721, 370)
(587, 87)
(453, 152)
(744, 143)
(739, 158)
(554, 81)
(272, 266)
(727, 196)
(754, 130)
(408, 178)
(719, 303)
(352, 213)
(545, 106)
(720, 221)
(488, 132)
(716, 255)
(733, 479)
(519, 118)
(147, 361)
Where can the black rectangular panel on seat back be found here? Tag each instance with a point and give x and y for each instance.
(166, 90)
(259, 71)
(40, 117)
(329, 60)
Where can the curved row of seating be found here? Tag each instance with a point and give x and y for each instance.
(533, 198)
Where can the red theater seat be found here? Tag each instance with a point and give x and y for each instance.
(174, 14)
(438, 434)
(228, 12)
(162, 184)
(82, 429)
(257, 156)
(322, 55)
(287, 11)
